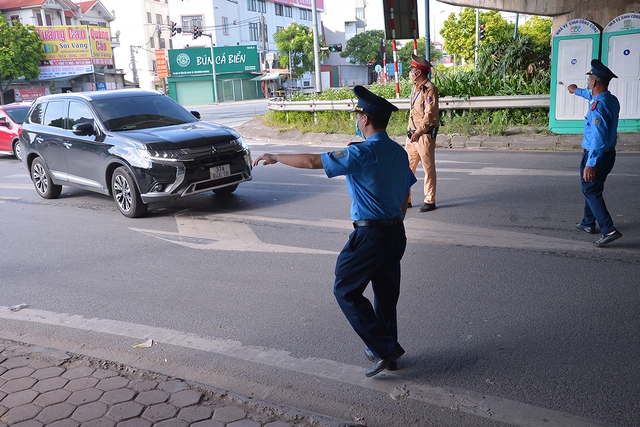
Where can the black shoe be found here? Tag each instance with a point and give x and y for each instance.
(369, 354)
(586, 228)
(409, 205)
(427, 207)
(380, 365)
(607, 238)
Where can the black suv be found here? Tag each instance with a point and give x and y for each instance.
(138, 146)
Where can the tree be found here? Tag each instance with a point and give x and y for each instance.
(20, 53)
(364, 48)
(459, 33)
(539, 31)
(404, 54)
(296, 42)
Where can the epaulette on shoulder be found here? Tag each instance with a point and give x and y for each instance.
(594, 105)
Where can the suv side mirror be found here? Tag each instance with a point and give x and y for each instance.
(4, 122)
(195, 114)
(83, 129)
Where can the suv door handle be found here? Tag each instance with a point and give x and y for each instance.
(67, 144)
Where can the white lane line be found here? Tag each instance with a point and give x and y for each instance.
(481, 405)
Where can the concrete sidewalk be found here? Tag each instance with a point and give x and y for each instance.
(523, 139)
(47, 387)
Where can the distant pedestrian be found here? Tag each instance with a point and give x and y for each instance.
(379, 180)
(423, 128)
(599, 155)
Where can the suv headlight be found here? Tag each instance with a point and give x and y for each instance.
(163, 155)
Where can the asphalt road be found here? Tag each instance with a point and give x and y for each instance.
(231, 114)
(508, 314)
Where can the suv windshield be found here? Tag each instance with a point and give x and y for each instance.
(141, 112)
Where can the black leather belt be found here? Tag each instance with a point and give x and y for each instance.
(377, 222)
(606, 150)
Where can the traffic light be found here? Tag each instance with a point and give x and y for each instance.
(174, 29)
(335, 47)
(481, 32)
(196, 32)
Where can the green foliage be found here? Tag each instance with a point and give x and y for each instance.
(512, 56)
(20, 53)
(296, 42)
(364, 48)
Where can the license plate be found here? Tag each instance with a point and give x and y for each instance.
(218, 172)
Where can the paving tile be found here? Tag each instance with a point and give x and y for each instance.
(195, 413)
(159, 412)
(50, 372)
(64, 423)
(244, 423)
(12, 374)
(42, 363)
(19, 384)
(49, 384)
(56, 412)
(185, 398)
(28, 423)
(135, 422)
(208, 423)
(125, 410)
(52, 397)
(17, 362)
(229, 414)
(3, 410)
(100, 422)
(19, 398)
(112, 383)
(104, 373)
(2, 394)
(173, 423)
(81, 383)
(173, 386)
(116, 396)
(78, 372)
(151, 397)
(20, 413)
(90, 411)
(277, 424)
(85, 396)
(140, 384)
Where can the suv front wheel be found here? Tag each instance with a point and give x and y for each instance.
(42, 180)
(126, 194)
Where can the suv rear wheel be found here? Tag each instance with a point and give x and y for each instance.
(126, 194)
(42, 180)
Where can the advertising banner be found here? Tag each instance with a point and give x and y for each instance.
(73, 49)
(161, 63)
(229, 59)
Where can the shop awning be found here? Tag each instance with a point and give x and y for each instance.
(268, 76)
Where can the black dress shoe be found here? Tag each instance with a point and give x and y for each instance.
(380, 365)
(409, 205)
(391, 367)
(607, 238)
(586, 228)
(427, 207)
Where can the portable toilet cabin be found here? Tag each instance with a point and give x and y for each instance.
(575, 44)
(621, 53)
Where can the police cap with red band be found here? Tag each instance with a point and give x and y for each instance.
(420, 63)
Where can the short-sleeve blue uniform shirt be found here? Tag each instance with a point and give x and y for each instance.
(377, 173)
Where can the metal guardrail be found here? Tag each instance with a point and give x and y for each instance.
(446, 103)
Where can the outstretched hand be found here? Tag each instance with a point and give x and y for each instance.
(266, 158)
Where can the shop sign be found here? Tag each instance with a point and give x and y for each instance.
(228, 59)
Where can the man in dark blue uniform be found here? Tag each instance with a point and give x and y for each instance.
(599, 142)
(379, 180)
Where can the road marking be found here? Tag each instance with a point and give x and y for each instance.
(481, 405)
(233, 232)
(211, 233)
(5, 186)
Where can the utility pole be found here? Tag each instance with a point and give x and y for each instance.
(475, 65)
(159, 31)
(427, 31)
(136, 80)
(263, 34)
(316, 46)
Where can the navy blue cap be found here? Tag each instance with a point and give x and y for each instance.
(372, 104)
(600, 70)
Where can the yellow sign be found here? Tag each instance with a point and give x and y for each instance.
(75, 45)
(161, 63)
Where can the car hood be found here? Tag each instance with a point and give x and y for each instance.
(188, 135)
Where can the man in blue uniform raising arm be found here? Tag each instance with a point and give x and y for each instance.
(379, 180)
(599, 142)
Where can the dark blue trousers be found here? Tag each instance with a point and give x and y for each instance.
(594, 207)
(372, 254)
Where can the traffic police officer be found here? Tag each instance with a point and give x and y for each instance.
(379, 180)
(599, 155)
